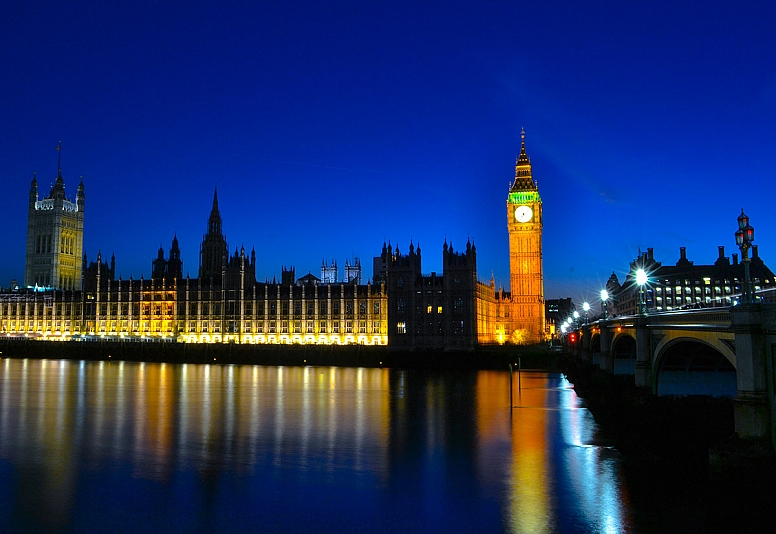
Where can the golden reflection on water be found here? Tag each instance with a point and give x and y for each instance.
(160, 414)
(62, 418)
(550, 437)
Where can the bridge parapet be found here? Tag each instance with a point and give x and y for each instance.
(710, 319)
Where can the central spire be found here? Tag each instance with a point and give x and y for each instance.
(523, 173)
(214, 222)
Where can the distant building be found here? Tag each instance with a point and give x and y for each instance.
(686, 285)
(557, 311)
(55, 230)
(329, 272)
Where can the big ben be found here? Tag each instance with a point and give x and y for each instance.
(524, 224)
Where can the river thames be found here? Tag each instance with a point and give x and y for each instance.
(133, 447)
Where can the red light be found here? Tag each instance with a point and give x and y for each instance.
(572, 337)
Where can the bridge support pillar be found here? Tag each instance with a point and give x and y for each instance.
(587, 355)
(643, 354)
(751, 405)
(605, 361)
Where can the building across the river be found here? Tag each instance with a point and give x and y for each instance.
(687, 285)
(449, 309)
(66, 298)
(224, 304)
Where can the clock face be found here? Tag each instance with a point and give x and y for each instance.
(523, 214)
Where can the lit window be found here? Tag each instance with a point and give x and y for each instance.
(428, 309)
(401, 328)
(439, 309)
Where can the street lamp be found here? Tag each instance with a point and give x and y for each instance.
(744, 239)
(604, 298)
(586, 307)
(641, 279)
(576, 318)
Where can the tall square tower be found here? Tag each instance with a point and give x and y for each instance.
(524, 224)
(55, 236)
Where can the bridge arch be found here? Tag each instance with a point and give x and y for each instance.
(624, 354)
(694, 366)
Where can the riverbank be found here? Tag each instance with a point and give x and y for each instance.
(496, 357)
(692, 435)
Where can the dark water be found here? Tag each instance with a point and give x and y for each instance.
(123, 447)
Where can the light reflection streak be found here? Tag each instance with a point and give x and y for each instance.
(550, 438)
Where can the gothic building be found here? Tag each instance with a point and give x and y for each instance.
(524, 225)
(213, 251)
(168, 269)
(55, 230)
(447, 310)
(224, 304)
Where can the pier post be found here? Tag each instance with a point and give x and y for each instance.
(587, 354)
(751, 405)
(643, 354)
(605, 361)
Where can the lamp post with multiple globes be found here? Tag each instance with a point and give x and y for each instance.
(744, 239)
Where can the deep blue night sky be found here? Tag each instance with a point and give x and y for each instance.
(329, 127)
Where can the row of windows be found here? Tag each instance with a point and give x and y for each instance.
(195, 309)
(140, 327)
(431, 327)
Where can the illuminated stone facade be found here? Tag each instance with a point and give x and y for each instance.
(225, 304)
(55, 231)
(524, 224)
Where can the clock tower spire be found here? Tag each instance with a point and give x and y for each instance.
(524, 225)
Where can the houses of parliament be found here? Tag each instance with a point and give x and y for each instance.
(65, 297)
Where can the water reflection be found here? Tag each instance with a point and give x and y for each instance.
(86, 446)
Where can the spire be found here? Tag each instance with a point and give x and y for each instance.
(214, 222)
(523, 158)
(33, 190)
(59, 159)
(523, 173)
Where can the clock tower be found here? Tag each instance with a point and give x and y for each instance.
(524, 224)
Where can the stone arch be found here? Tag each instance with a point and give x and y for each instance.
(691, 366)
(624, 354)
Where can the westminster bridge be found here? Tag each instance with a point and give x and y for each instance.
(716, 351)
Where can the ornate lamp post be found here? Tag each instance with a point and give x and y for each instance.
(744, 239)
(641, 280)
(586, 308)
(604, 298)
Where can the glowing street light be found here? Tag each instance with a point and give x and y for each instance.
(586, 308)
(641, 279)
(604, 298)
